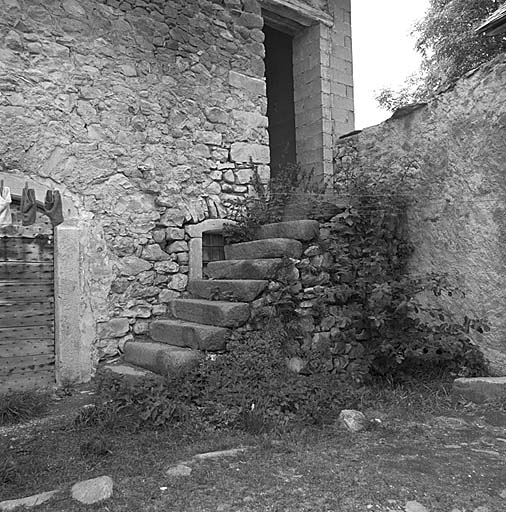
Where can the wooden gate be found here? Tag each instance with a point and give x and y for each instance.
(27, 351)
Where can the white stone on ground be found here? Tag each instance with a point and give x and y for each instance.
(414, 506)
(354, 421)
(29, 501)
(222, 453)
(93, 490)
(179, 470)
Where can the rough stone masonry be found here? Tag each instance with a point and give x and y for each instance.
(145, 115)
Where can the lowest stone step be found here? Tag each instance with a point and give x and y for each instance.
(189, 334)
(209, 312)
(241, 290)
(160, 358)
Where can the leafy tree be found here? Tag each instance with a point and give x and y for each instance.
(450, 47)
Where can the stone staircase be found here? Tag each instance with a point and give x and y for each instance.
(203, 324)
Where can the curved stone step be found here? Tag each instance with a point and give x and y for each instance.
(244, 269)
(303, 230)
(160, 358)
(210, 312)
(268, 248)
(242, 290)
(188, 334)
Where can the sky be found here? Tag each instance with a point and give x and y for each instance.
(383, 51)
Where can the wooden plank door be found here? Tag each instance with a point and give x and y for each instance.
(27, 351)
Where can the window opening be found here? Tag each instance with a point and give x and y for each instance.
(213, 248)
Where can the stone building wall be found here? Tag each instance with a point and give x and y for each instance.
(146, 115)
(450, 157)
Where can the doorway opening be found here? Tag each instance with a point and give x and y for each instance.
(280, 100)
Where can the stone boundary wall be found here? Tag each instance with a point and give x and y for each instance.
(145, 116)
(449, 156)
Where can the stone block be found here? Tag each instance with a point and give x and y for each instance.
(303, 230)
(243, 176)
(244, 269)
(154, 253)
(132, 266)
(168, 295)
(189, 335)
(242, 152)
(243, 290)
(269, 248)
(114, 328)
(166, 267)
(210, 312)
(178, 246)
(160, 358)
(93, 490)
(253, 85)
(178, 282)
(174, 233)
(480, 389)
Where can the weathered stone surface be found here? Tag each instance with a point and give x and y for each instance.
(28, 502)
(243, 290)
(480, 389)
(243, 152)
(496, 362)
(219, 313)
(161, 358)
(178, 282)
(270, 248)
(154, 253)
(233, 452)
(415, 506)
(244, 269)
(114, 328)
(124, 370)
(93, 490)
(304, 230)
(248, 83)
(187, 334)
(179, 470)
(131, 265)
(354, 421)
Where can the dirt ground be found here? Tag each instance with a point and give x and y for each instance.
(446, 460)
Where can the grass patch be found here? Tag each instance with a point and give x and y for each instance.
(22, 406)
(410, 455)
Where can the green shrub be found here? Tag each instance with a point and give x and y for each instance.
(20, 406)
(133, 404)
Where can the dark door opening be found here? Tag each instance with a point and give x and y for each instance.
(280, 99)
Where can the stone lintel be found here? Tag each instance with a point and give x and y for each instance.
(297, 11)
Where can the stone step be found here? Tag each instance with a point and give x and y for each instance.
(130, 372)
(268, 248)
(303, 230)
(160, 358)
(244, 269)
(480, 389)
(242, 290)
(210, 312)
(189, 334)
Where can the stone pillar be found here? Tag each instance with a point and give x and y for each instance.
(323, 88)
(73, 361)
